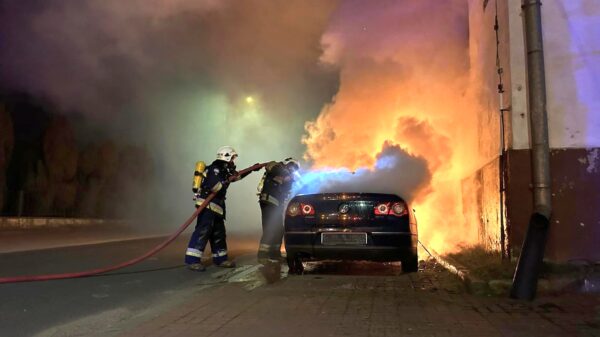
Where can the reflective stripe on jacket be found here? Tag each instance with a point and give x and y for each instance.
(269, 198)
(212, 206)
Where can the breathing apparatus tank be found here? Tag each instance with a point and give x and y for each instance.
(199, 175)
(261, 184)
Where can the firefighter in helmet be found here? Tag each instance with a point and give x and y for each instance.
(210, 226)
(274, 190)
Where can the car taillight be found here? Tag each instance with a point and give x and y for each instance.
(396, 209)
(307, 209)
(382, 209)
(293, 209)
(399, 209)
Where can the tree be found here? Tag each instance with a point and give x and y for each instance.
(6, 147)
(60, 159)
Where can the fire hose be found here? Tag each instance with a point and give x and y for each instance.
(87, 273)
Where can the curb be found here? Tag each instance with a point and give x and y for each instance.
(13, 223)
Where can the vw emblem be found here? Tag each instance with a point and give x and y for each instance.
(344, 208)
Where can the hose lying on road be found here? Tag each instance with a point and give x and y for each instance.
(31, 278)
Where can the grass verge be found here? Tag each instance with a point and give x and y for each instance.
(495, 272)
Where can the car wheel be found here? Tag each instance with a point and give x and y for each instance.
(295, 265)
(410, 264)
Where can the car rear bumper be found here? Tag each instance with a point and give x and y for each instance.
(380, 246)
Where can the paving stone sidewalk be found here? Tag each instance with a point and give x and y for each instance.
(428, 303)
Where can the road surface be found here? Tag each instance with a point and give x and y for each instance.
(160, 298)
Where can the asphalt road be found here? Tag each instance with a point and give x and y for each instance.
(100, 303)
(106, 304)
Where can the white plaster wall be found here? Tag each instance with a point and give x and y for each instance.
(518, 73)
(481, 190)
(484, 76)
(572, 42)
(571, 30)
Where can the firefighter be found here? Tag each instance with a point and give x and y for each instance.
(274, 190)
(210, 226)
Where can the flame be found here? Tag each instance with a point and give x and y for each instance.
(414, 93)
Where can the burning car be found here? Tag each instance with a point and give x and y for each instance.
(350, 226)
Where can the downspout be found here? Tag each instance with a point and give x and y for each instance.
(532, 253)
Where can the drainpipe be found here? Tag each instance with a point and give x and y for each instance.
(532, 253)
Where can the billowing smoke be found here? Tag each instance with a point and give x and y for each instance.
(404, 83)
(392, 164)
(179, 78)
(185, 77)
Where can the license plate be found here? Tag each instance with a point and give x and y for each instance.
(356, 239)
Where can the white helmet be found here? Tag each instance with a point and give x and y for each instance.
(291, 162)
(226, 153)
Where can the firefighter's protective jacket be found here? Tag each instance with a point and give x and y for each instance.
(276, 184)
(217, 175)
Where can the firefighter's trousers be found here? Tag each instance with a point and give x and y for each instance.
(272, 225)
(210, 227)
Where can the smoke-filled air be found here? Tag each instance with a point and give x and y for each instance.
(404, 94)
(372, 96)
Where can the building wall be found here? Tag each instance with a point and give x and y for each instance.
(481, 190)
(571, 31)
(572, 63)
(575, 225)
(572, 54)
(481, 199)
(519, 116)
(484, 76)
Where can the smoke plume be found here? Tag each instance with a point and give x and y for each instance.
(180, 78)
(395, 171)
(404, 82)
(384, 86)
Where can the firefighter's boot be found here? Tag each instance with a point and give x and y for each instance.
(275, 253)
(263, 253)
(196, 267)
(226, 264)
(263, 258)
